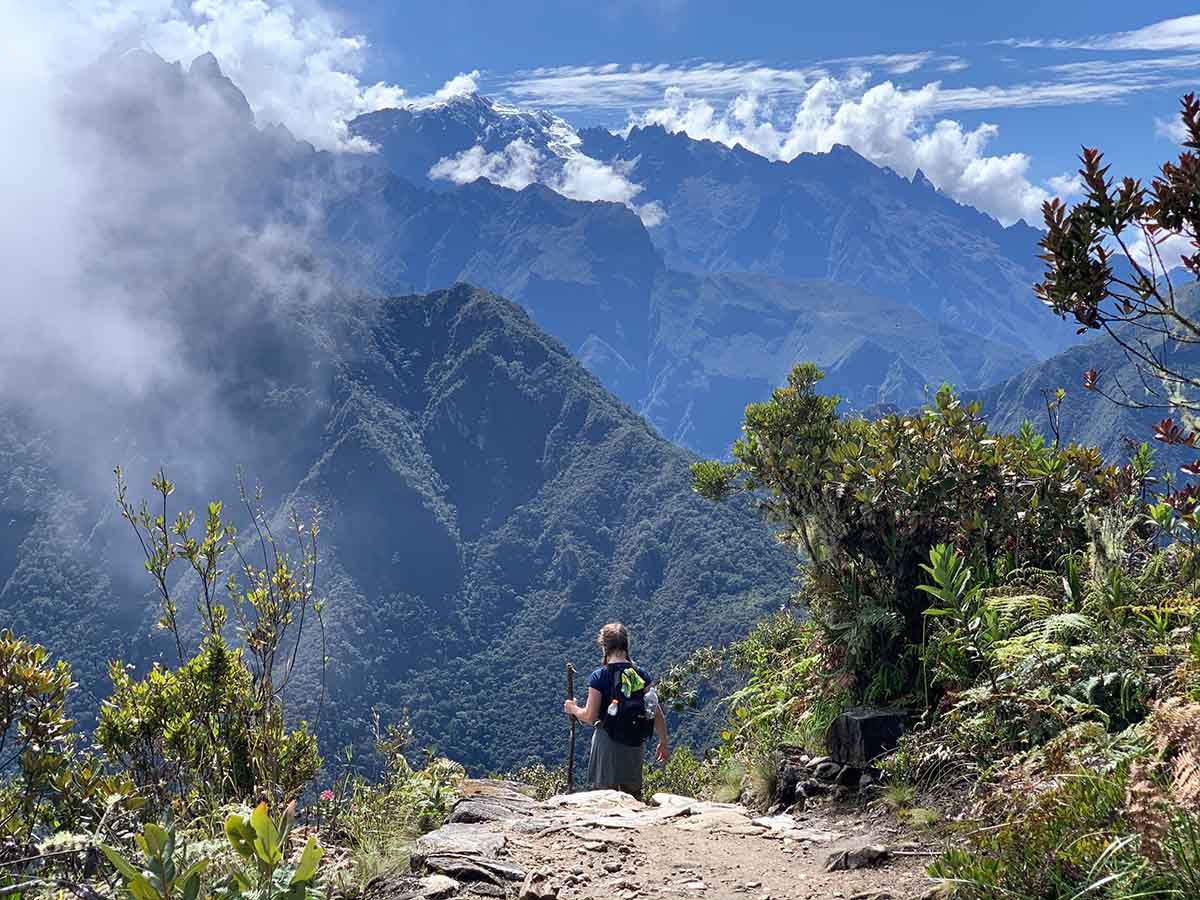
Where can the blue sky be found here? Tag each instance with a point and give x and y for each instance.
(991, 101)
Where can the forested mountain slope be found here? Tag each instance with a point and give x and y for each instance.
(487, 505)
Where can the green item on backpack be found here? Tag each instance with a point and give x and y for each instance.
(631, 682)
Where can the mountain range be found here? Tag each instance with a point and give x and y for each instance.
(496, 474)
(1091, 417)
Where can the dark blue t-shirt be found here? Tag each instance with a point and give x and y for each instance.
(603, 681)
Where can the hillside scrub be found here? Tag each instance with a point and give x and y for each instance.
(173, 797)
(1033, 607)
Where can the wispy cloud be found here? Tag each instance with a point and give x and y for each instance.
(614, 88)
(1181, 33)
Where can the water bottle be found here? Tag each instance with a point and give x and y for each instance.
(651, 703)
(612, 707)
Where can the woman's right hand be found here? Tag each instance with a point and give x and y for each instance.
(569, 707)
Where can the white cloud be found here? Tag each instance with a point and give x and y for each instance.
(1181, 33)
(888, 125)
(293, 61)
(464, 84)
(1172, 129)
(1066, 186)
(577, 176)
(515, 167)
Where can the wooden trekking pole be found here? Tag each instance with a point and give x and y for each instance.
(571, 743)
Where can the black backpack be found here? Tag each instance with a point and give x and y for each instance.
(631, 725)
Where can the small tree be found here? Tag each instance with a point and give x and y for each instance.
(1107, 261)
(215, 726)
(866, 500)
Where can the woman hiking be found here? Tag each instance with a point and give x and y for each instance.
(621, 699)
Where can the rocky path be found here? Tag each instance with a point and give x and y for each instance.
(602, 844)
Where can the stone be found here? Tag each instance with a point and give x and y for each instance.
(860, 736)
(467, 868)
(818, 760)
(856, 858)
(827, 771)
(531, 826)
(867, 779)
(812, 835)
(612, 866)
(459, 839)
(486, 889)
(392, 886)
(436, 887)
(812, 788)
(538, 886)
(873, 895)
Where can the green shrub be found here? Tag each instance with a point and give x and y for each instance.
(212, 731)
(683, 774)
(542, 780)
(866, 500)
(195, 732)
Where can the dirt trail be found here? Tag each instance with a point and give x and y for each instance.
(601, 844)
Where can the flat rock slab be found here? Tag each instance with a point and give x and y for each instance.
(671, 801)
(468, 810)
(459, 839)
(713, 818)
(594, 800)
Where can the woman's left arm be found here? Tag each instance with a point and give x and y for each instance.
(660, 729)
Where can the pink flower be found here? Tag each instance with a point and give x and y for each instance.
(326, 795)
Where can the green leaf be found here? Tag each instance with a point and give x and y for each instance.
(309, 860)
(240, 835)
(120, 863)
(266, 844)
(135, 881)
(154, 839)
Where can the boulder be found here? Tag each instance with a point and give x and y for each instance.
(861, 735)
(787, 789)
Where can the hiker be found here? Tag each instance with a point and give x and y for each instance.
(621, 699)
